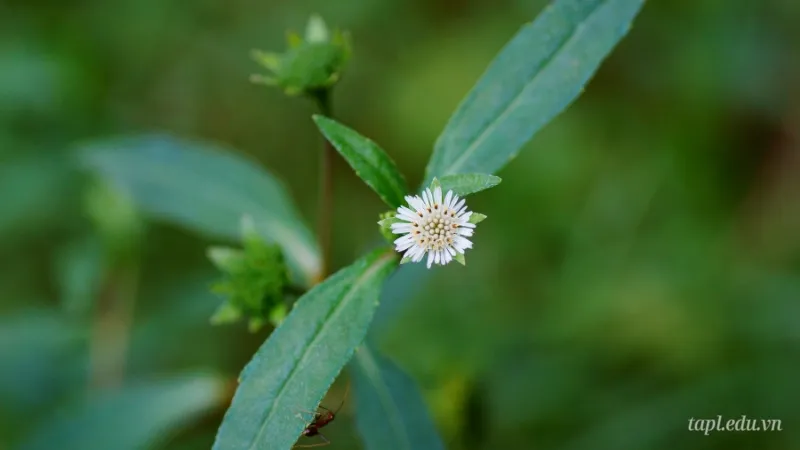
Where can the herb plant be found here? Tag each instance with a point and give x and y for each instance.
(281, 273)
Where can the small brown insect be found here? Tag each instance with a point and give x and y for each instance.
(320, 419)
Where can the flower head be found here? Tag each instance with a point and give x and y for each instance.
(433, 225)
(310, 65)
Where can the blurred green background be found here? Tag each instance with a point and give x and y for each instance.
(640, 265)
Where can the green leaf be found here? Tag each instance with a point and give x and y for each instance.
(387, 219)
(391, 411)
(369, 161)
(460, 258)
(435, 183)
(468, 183)
(477, 218)
(535, 77)
(387, 222)
(317, 30)
(255, 324)
(208, 190)
(226, 313)
(134, 417)
(298, 363)
(277, 314)
(270, 60)
(226, 259)
(293, 39)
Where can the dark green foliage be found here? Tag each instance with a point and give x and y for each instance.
(640, 265)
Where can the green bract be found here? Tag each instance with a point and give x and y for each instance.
(387, 219)
(253, 282)
(310, 64)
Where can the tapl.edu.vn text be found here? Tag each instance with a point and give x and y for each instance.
(740, 424)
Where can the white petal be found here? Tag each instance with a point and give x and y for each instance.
(453, 202)
(404, 246)
(437, 195)
(465, 231)
(416, 203)
(451, 250)
(458, 205)
(403, 212)
(407, 218)
(403, 239)
(463, 242)
(430, 259)
(400, 228)
(447, 198)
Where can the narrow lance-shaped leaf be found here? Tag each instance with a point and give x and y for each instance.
(538, 73)
(294, 368)
(468, 183)
(391, 411)
(369, 161)
(136, 416)
(208, 190)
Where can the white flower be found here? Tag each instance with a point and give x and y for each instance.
(432, 225)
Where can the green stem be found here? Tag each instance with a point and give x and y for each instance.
(325, 220)
(112, 328)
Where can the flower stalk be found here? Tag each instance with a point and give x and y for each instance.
(325, 218)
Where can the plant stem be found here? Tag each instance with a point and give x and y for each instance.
(323, 99)
(112, 328)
